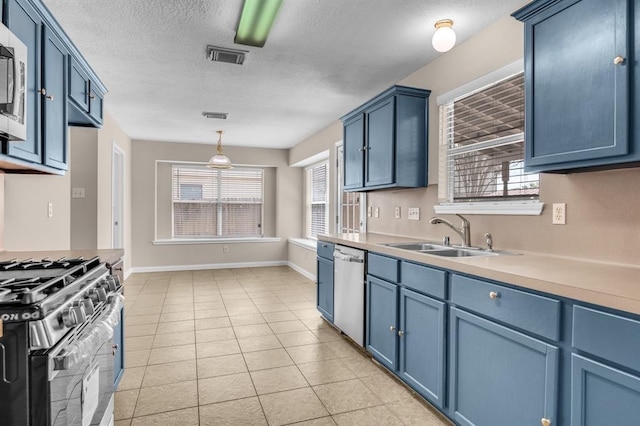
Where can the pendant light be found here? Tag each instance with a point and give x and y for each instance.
(444, 38)
(219, 161)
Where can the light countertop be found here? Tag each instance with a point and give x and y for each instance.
(612, 285)
(110, 256)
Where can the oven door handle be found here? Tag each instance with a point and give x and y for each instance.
(85, 346)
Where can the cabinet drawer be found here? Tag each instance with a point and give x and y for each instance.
(423, 279)
(383, 267)
(606, 335)
(537, 314)
(325, 250)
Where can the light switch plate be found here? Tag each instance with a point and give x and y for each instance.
(369, 211)
(377, 212)
(413, 213)
(49, 210)
(397, 212)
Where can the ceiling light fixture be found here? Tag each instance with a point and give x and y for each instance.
(444, 38)
(216, 115)
(219, 161)
(255, 21)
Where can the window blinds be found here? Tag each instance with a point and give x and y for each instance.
(482, 145)
(317, 220)
(210, 203)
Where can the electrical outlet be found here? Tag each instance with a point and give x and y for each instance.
(397, 212)
(413, 213)
(225, 249)
(559, 214)
(77, 192)
(377, 212)
(50, 210)
(369, 211)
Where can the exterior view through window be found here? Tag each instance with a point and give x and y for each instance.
(482, 146)
(350, 218)
(210, 203)
(317, 204)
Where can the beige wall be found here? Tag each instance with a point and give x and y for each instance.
(603, 208)
(27, 225)
(91, 168)
(284, 215)
(304, 259)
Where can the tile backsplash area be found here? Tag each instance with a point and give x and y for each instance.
(602, 215)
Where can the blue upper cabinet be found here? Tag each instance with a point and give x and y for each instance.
(54, 98)
(54, 103)
(579, 69)
(385, 141)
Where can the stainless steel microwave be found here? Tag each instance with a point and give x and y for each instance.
(13, 90)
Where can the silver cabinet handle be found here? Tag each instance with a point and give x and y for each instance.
(391, 328)
(400, 333)
(493, 295)
(618, 60)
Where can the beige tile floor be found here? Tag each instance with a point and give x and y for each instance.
(247, 347)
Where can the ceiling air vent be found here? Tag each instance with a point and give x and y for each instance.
(230, 56)
(218, 115)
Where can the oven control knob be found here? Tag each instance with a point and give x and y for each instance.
(98, 295)
(81, 315)
(68, 317)
(111, 283)
(87, 304)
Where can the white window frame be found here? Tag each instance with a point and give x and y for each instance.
(308, 200)
(511, 207)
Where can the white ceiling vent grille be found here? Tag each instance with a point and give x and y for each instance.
(230, 56)
(218, 115)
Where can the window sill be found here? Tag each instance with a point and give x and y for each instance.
(525, 208)
(215, 240)
(304, 243)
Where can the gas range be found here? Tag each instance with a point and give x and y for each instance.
(57, 316)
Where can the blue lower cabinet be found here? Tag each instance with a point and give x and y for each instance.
(422, 345)
(602, 395)
(118, 351)
(499, 376)
(325, 288)
(382, 321)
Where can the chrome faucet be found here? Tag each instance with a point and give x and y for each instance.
(464, 231)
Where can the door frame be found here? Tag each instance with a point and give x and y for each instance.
(117, 195)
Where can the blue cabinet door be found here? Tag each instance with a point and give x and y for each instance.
(26, 24)
(353, 145)
(95, 107)
(422, 345)
(380, 144)
(78, 86)
(498, 376)
(325, 288)
(54, 106)
(382, 321)
(577, 94)
(602, 395)
(118, 351)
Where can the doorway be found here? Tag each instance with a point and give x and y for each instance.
(117, 196)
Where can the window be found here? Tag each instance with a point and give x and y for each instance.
(317, 206)
(350, 218)
(482, 148)
(210, 203)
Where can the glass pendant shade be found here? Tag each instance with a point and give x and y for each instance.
(444, 38)
(219, 161)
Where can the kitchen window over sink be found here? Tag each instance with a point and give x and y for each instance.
(482, 148)
(212, 203)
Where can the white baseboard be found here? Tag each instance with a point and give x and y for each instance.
(169, 268)
(301, 271)
(127, 272)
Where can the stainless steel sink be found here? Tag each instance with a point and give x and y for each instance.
(416, 246)
(460, 252)
(445, 251)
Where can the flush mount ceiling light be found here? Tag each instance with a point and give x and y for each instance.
(219, 161)
(444, 38)
(255, 21)
(216, 115)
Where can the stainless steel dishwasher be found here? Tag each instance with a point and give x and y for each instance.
(349, 292)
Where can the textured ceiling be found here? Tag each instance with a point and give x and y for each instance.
(322, 59)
